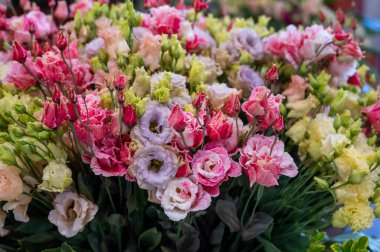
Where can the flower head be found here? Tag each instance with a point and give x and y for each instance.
(10, 182)
(264, 162)
(56, 177)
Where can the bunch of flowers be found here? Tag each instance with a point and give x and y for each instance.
(118, 123)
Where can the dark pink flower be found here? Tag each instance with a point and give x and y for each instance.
(351, 51)
(199, 99)
(155, 3)
(129, 115)
(272, 74)
(193, 133)
(61, 11)
(373, 115)
(19, 53)
(264, 165)
(212, 166)
(232, 107)
(163, 20)
(61, 41)
(200, 5)
(51, 115)
(177, 118)
(262, 107)
(81, 5)
(354, 80)
(219, 127)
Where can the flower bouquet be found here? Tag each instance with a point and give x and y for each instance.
(174, 130)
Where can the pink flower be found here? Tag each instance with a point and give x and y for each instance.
(262, 107)
(212, 166)
(200, 5)
(19, 76)
(61, 12)
(264, 166)
(51, 116)
(296, 89)
(129, 115)
(199, 99)
(19, 53)
(373, 115)
(42, 26)
(351, 51)
(232, 107)
(195, 43)
(97, 119)
(177, 119)
(81, 5)
(218, 127)
(272, 74)
(182, 196)
(107, 159)
(231, 143)
(354, 80)
(193, 133)
(150, 51)
(164, 20)
(155, 3)
(61, 41)
(67, 109)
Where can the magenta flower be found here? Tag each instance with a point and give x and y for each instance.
(212, 166)
(373, 115)
(263, 165)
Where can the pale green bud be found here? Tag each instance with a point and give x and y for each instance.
(96, 64)
(376, 196)
(355, 128)
(377, 211)
(337, 103)
(15, 131)
(372, 140)
(357, 176)
(56, 177)
(20, 108)
(103, 57)
(321, 183)
(161, 95)
(38, 102)
(7, 156)
(340, 218)
(337, 122)
(245, 57)
(44, 135)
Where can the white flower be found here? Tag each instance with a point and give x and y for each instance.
(178, 83)
(153, 166)
(153, 127)
(71, 213)
(56, 177)
(219, 94)
(182, 196)
(334, 143)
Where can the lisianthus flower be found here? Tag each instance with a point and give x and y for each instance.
(71, 213)
(150, 51)
(263, 107)
(153, 166)
(219, 95)
(163, 20)
(247, 80)
(296, 89)
(82, 6)
(263, 163)
(181, 196)
(372, 113)
(212, 166)
(246, 39)
(10, 182)
(154, 127)
(219, 127)
(114, 42)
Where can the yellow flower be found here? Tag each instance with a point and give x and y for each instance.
(301, 108)
(350, 159)
(298, 130)
(56, 177)
(358, 216)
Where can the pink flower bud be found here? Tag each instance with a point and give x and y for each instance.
(19, 53)
(199, 99)
(354, 80)
(51, 116)
(232, 107)
(340, 16)
(37, 49)
(72, 95)
(61, 12)
(278, 126)
(57, 94)
(272, 74)
(322, 16)
(47, 47)
(129, 115)
(353, 24)
(61, 41)
(3, 24)
(200, 5)
(219, 127)
(342, 36)
(120, 82)
(67, 110)
(120, 98)
(177, 119)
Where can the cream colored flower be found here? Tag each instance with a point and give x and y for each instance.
(56, 177)
(219, 94)
(302, 107)
(298, 130)
(350, 159)
(114, 42)
(10, 182)
(334, 143)
(358, 216)
(71, 213)
(150, 51)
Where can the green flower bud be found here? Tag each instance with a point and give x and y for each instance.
(337, 122)
(319, 85)
(372, 140)
(121, 61)
(197, 74)
(15, 131)
(357, 176)
(322, 183)
(78, 21)
(4, 137)
(38, 102)
(303, 69)
(372, 79)
(135, 60)
(44, 135)
(103, 57)
(378, 183)
(355, 128)
(337, 104)
(96, 64)
(7, 156)
(56, 177)
(161, 95)
(283, 109)
(376, 196)
(130, 97)
(140, 107)
(346, 118)
(245, 57)
(34, 127)
(106, 101)
(377, 211)
(340, 218)
(21, 109)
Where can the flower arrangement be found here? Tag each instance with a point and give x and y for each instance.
(176, 130)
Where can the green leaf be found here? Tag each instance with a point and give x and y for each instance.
(348, 245)
(149, 240)
(217, 234)
(257, 226)
(35, 225)
(268, 246)
(188, 243)
(83, 188)
(361, 243)
(336, 247)
(226, 211)
(116, 220)
(64, 248)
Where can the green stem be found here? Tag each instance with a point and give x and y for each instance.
(247, 204)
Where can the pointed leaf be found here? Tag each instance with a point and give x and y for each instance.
(226, 211)
(260, 222)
